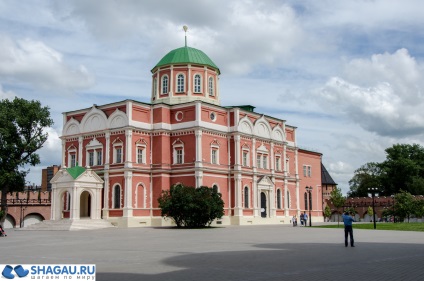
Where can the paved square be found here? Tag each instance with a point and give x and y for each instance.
(229, 253)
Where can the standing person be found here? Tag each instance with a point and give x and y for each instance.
(305, 217)
(347, 220)
(301, 219)
(2, 232)
(294, 219)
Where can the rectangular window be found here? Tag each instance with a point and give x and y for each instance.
(245, 158)
(214, 156)
(307, 171)
(179, 156)
(118, 152)
(265, 162)
(73, 160)
(278, 163)
(140, 157)
(99, 157)
(258, 161)
(91, 158)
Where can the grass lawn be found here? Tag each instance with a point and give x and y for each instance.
(404, 226)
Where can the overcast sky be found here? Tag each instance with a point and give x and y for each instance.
(348, 74)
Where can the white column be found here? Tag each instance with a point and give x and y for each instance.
(128, 150)
(272, 158)
(189, 84)
(128, 195)
(199, 153)
(205, 83)
(80, 149)
(256, 196)
(63, 152)
(238, 211)
(286, 199)
(297, 181)
(107, 148)
(75, 202)
(237, 152)
(171, 82)
(106, 195)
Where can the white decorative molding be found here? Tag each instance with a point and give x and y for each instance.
(94, 120)
(262, 128)
(245, 125)
(278, 134)
(117, 119)
(72, 127)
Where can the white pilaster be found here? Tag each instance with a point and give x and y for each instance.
(80, 149)
(128, 209)
(128, 146)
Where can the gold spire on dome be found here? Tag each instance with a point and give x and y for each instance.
(185, 28)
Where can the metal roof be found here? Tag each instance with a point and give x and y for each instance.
(325, 177)
(186, 55)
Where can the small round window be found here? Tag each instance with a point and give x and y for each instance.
(213, 116)
(179, 116)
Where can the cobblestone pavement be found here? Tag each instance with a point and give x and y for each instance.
(228, 253)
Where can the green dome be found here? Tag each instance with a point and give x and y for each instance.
(186, 55)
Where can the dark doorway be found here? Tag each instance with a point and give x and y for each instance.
(263, 205)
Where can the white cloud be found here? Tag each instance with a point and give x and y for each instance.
(6, 94)
(382, 94)
(33, 62)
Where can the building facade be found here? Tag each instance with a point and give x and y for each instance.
(46, 176)
(185, 136)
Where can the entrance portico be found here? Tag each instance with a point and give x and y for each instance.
(77, 190)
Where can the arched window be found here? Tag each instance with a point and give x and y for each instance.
(306, 201)
(210, 87)
(197, 83)
(246, 197)
(165, 84)
(215, 188)
(288, 199)
(180, 83)
(278, 199)
(116, 197)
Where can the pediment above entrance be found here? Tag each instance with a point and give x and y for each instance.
(265, 182)
(82, 175)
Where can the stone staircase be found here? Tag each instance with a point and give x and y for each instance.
(69, 225)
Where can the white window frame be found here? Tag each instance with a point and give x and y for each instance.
(118, 147)
(165, 84)
(264, 161)
(245, 157)
(210, 86)
(72, 157)
(141, 148)
(197, 86)
(278, 162)
(180, 85)
(90, 159)
(307, 171)
(178, 146)
(99, 156)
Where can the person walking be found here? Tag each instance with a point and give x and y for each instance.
(347, 220)
(305, 218)
(294, 219)
(2, 232)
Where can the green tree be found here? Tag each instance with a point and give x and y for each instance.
(370, 212)
(403, 169)
(367, 176)
(338, 201)
(191, 207)
(22, 133)
(405, 205)
(419, 207)
(327, 212)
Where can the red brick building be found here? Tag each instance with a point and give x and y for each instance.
(185, 136)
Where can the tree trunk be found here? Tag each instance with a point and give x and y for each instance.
(4, 192)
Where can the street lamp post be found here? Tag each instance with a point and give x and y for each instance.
(394, 215)
(373, 191)
(309, 191)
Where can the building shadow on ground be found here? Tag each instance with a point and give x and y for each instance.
(272, 262)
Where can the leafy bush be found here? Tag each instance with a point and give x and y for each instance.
(191, 207)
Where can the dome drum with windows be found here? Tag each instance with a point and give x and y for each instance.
(183, 75)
